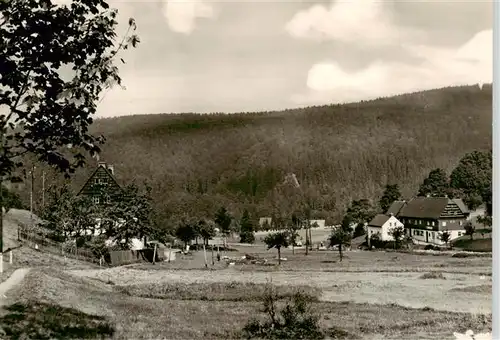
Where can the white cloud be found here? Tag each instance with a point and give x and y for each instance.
(181, 15)
(469, 64)
(363, 22)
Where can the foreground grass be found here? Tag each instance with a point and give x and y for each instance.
(34, 320)
(180, 312)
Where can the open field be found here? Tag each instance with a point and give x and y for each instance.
(182, 317)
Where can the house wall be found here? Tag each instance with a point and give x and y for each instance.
(452, 223)
(433, 237)
(420, 223)
(384, 231)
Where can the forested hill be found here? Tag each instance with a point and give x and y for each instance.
(196, 163)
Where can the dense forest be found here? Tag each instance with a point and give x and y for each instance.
(197, 163)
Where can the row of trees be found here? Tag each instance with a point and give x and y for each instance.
(469, 180)
(190, 229)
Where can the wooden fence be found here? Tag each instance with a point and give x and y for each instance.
(36, 241)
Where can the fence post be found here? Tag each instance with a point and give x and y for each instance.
(10, 257)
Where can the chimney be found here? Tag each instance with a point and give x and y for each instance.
(111, 169)
(391, 214)
(103, 164)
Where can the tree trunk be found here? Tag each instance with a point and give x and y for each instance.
(307, 242)
(205, 255)
(213, 263)
(1, 224)
(279, 255)
(340, 252)
(310, 238)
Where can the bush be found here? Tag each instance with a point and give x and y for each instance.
(431, 247)
(247, 237)
(294, 321)
(433, 275)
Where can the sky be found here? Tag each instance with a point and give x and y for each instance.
(256, 55)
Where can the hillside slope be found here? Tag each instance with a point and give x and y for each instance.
(196, 163)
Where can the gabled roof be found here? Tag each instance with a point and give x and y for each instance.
(103, 168)
(395, 208)
(461, 205)
(379, 220)
(429, 207)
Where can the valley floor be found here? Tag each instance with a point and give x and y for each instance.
(369, 295)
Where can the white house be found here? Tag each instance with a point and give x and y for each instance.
(426, 218)
(382, 224)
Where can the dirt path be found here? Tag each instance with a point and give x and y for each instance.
(16, 278)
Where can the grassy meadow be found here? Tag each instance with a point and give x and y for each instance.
(407, 296)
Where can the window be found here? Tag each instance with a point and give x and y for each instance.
(443, 224)
(428, 223)
(459, 233)
(433, 223)
(96, 200)
(459, 222)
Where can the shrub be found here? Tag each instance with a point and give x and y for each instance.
(294, 321)
(433, 275)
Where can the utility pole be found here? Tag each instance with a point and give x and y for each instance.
(1, 201)
(31, 192)
(43, 189)
(1, 221)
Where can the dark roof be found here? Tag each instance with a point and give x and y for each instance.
(424, 207)
(461, 205)
(395, 208)
(379, 220)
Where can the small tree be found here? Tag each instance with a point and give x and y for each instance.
(246, 228)
(340, 237)
(375, 240)
(397, 234)
(360, 230)
(293, 230)
(391, 194)
(295, 321)
(470, 230)
(277, 240)
(445, 236)
(206, 230)
(485, 220)
(223, 220)
(185, 232)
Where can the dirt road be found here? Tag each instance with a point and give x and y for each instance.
(15, 279)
